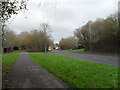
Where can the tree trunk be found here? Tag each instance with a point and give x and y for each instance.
(45, 48)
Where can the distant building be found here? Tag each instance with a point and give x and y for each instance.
(57, 46)
(49, 48)
(7, 50)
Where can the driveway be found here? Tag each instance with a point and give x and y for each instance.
(101, 58)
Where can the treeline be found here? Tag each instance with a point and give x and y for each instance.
(36, 40)
(100, 35)
(68, 43)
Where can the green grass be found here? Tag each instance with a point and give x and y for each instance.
(78, 73)
(8, 59)
(81, 50)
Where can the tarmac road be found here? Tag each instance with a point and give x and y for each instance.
(110, 59)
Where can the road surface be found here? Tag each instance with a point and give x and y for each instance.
(101, 58)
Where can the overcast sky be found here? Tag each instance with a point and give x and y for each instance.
(64, 16)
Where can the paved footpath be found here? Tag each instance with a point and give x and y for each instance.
(109, 59)
(27, 74)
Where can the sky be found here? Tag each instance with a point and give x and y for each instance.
(63, 16)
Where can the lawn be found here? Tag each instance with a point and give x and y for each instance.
(78, 73)
(82, 49)
(8, 59)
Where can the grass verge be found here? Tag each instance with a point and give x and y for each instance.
(78, 73)
(8, 59)
(81, 50)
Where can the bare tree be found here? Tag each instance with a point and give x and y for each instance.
(45, 27)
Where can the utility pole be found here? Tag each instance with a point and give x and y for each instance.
(45, 40)
(118, 37)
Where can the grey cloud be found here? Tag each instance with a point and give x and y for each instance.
(63, 15)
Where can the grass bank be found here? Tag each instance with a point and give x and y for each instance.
(81, 50)
(8, 59)
(78, 73)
